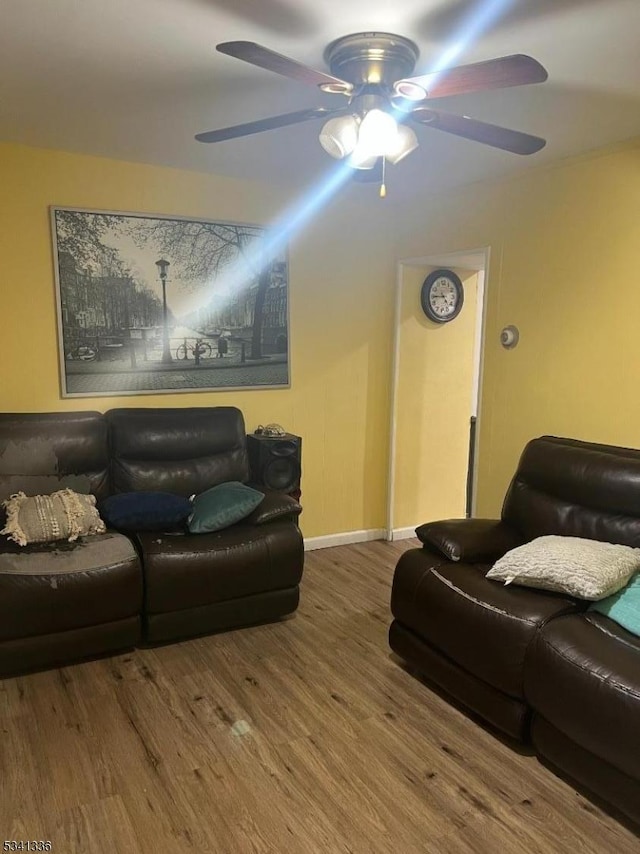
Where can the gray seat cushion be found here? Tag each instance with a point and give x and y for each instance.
(52, 587)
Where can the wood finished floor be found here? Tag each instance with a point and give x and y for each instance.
(302, 736)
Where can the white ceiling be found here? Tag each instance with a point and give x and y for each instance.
(136, 79)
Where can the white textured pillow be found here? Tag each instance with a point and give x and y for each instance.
(586, 569)
(63, 515)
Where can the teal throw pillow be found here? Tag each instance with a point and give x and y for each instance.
(221, 506)
(623, 607)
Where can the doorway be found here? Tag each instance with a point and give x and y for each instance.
(435, 397)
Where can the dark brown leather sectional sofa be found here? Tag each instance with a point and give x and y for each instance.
(67, 601)
(535, 665)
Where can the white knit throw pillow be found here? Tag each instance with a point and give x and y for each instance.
(63, 515)
(586, 569)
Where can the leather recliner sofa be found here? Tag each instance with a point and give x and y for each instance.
(536, 665)
(61, 602)
(197, 583)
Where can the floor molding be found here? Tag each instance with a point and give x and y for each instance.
(344, 539)
(403, 533)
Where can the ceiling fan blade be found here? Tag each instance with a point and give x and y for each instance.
(494, 135)
(261, 56)
(271, 123)
(515, 70)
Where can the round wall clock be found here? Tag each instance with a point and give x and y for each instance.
(442, 296)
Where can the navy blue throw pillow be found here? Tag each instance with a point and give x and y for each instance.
(145, 511)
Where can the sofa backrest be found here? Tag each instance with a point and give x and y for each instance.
(46, 451)
(576, 489)
(184, 451)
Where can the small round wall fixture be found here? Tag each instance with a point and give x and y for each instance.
(509, 337)
(442, 296)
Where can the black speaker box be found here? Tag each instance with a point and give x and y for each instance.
(275, 461)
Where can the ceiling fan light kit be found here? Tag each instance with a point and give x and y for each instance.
(407, 141)
(371, 69)
(339, 136)
(364, 140)
(378, 134)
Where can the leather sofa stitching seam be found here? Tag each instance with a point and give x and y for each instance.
(479, 603)
(102, 568)
(604, 679)
(610, 634)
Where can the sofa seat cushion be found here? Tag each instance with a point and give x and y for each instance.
(53, 587)
(189, 570)
(582, 675)
(483, 627)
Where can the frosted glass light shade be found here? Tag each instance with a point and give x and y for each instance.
(378, 134)
(406, 142)
(339, 136)
(364, 140)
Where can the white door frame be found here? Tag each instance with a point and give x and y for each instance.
(472, 259)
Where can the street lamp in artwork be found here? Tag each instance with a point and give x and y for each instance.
(166, 349)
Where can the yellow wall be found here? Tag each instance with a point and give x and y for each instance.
(564, 243)
(433, 405)
(341, 292)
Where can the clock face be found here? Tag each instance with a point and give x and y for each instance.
(442, 296)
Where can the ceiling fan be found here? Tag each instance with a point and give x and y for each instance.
(371, 69)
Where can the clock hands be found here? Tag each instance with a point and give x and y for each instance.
(442, 296)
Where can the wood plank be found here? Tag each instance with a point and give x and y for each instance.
(301, 736)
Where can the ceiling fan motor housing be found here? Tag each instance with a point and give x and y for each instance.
(372, 58)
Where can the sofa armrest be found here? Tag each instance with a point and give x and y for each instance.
(470, 540)
(275, 506)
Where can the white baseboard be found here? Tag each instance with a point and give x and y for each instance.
(403, 533)
(345, 539)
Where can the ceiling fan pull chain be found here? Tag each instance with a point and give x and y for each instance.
(383, 186)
